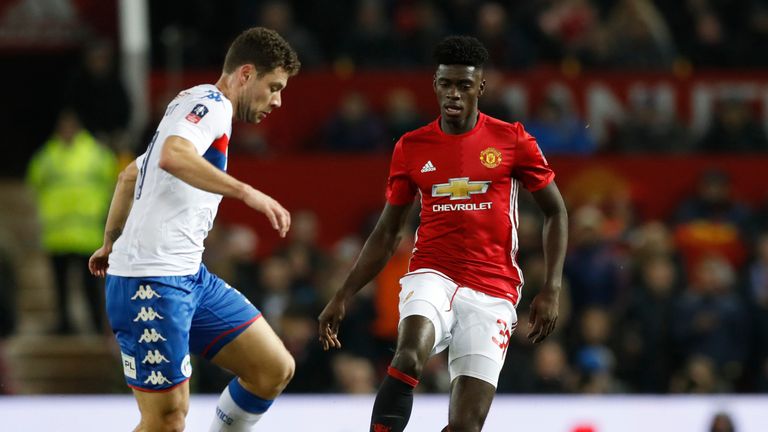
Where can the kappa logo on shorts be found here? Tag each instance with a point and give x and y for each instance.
(154, 357)
(147, 314)
(151, 335)
(157, 377)
(129, 365)
(145, 292)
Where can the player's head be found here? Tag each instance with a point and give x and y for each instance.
(458, 80)
(259, 61)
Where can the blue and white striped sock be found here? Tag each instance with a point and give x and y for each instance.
(238, 410)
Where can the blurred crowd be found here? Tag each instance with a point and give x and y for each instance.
(664, 306)
(645, 126)
(677, 305)
(637, 34)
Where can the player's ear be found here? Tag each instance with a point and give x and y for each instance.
(247, 72)
(482, 88)
(434, 82)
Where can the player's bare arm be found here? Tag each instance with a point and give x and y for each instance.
(379, 247)
(119, 209)
(544, 307)
(180, 158)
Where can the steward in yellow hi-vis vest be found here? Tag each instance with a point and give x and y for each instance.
(73, 177)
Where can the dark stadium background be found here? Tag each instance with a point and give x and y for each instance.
(654, 115)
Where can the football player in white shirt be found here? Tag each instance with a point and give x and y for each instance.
(162, 302)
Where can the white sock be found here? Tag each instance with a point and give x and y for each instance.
(230, 417)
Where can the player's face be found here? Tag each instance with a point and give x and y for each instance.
(261, 94)
(457, 88)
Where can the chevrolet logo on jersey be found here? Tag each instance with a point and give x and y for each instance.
(460, 188)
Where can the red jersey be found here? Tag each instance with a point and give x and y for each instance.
(468, 185)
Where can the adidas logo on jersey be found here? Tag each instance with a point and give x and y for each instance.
(154, 357)
(147, 314)
(428, 167)
(156, 378)
(145, 292)
(151, 335)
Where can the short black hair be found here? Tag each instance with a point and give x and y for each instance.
(460, 50)
(263, 48)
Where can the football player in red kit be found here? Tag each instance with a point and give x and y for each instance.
(463, 282)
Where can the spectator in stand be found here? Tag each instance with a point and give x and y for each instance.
(402, 114)
(551, 373)
(757, 32)
(699, 376)
(313, 368)
(304, 256)
(98, 96)
(370, 42)
(557, 127)
(756, 288)
(387, 300)
(711, 320)
(353, 374)
(354, 128)
(566, 29)
(714, 31)
(73, 176)
(645, 345)
(492, 103)
(638, 36)
(734, 129)
(594, 358)
(419, 26)
(712, 221)
(594, 267)
(278, 16)
(274, 291)
(460, 15)
(648, 128)
(506, 44)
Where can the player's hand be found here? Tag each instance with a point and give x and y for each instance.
(330, 319)
(99, 261)
(543, 315)
(278, 216)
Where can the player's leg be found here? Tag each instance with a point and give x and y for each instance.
(424, 319)
(151, 318)
(394, 400)
(229, 331)
(484, 325)
(470, 401)
(263, 367)
(163, 411)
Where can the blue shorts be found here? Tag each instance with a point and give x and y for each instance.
(158, 321)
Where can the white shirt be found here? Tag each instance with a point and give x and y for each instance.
(169, 220)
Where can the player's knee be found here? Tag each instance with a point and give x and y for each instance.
(467, 425)
(174, 421)
(286, 371)
(409, 362)
(169, 421)
(271, 381)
